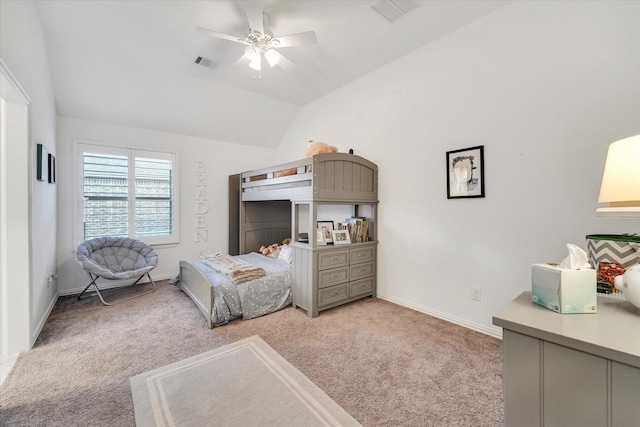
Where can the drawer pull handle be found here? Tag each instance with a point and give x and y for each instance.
(334, 276)
(362, 270)
(335, 258)
(360, 254)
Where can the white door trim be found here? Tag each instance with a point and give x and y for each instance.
(15, 219)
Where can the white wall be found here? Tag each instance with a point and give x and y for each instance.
(545, 87)
(221, 159)
(22, 49)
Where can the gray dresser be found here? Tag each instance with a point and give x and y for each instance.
(570, 369)
(329, 276)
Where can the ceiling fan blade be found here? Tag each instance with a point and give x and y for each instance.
(219, 35)
(298, 39)
(255, 16)
(285, 63)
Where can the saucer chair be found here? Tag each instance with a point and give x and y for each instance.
(116, 258)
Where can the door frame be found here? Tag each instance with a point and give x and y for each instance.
(15, 232)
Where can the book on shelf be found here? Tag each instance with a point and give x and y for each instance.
(358, 228)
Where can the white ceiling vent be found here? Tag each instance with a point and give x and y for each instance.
(391, 10)
(206, 62)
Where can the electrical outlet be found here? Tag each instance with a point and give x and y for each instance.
(476, 294)
(51, 278)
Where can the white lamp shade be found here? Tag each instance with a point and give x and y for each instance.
(255, 59)
(620, 189)
(256, 63)
(272, 57)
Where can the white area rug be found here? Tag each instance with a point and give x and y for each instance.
(246, 383)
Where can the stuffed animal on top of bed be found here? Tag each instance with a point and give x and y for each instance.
(273, 250)
(317, 147)
(313, 148)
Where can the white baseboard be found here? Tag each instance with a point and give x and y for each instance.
(6, 364)
(495, 332)
(38, 329)
(113, 284)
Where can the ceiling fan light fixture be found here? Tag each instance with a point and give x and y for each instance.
(272, 57)
(260, 41)
(256, 63)
(251, 53)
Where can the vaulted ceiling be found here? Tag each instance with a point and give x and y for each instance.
(132, 62)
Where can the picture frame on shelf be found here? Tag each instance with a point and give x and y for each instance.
(341, 237)
(327, 226)
(465, 173)
(320, 237)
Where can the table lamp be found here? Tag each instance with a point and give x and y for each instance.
(620, 198)
(620, 189)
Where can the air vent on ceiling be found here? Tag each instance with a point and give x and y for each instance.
(206, 62)
(391, 10)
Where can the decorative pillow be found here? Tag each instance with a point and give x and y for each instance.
(285, 253)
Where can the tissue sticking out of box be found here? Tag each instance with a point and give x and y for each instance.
(576, 260)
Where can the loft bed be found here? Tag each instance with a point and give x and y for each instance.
(265, 195)
(261, 209)
(323, 177)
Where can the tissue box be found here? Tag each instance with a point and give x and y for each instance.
(563, 290)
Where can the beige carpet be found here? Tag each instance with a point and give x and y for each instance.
(384, 364)
(244, 384)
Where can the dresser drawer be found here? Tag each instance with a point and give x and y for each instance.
(333, 294)
(360, 271)
(333, 277)
(362, 254)
(333, 259)
(361, 287)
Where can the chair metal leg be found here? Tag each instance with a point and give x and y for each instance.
(93, 282)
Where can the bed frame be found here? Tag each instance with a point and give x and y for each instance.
(323, 177)
(266, 199)
(266, 195)
(199, 289)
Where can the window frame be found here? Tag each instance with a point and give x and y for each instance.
(83, 146)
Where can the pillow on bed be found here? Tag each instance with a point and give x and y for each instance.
(285, 253)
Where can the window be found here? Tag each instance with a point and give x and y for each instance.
(128, 193)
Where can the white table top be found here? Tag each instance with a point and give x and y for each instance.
(613, 332)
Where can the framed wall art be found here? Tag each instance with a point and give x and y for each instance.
(52, 169)
(42, 163)
(465, 173)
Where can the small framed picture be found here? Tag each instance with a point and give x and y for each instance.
(327, 226)
(341, 237)
(465, 173)
(320, 236)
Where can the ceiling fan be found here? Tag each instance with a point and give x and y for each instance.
(260, 42)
